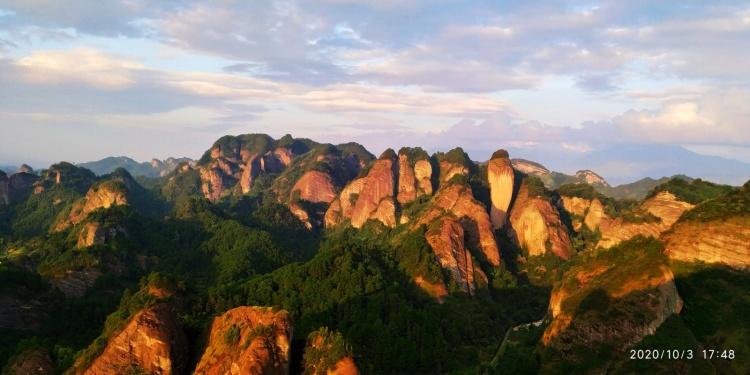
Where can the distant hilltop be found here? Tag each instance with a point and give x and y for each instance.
(154, 168)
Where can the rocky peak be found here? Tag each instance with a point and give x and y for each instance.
(248, 340)
(101, 195)
(376, 199)
(591, 178)
(500, 176)
(415, 172)
(153, 341)
(529, 167)
(25, 169)
(535, 224)
(446, 238)
(452, 163)
(458, 200)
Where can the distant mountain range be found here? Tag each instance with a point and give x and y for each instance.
(155, 168)
(627, 163)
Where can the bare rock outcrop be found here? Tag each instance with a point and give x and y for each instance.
(104, 195)
(74, 284)
(529, 167)
(414, 174)
(248, 340)
(664, 206)
(318, 359)
(4, 189)
(458, 200)
(315, 186)
(591, 178)
(341, 208)
(446, 238)
(95, 233)
(717, 241)
(369, 197)
(153, 341)
(501, 177)
(535, 224)
(449, 169)
(15, 186)
(611, 299)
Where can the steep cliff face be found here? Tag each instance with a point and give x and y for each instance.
(341, 208)
(664, 206)
(449, 169)
(234, 162)
(315, 186)
(74, 284)
(95, 233)
(248, 340)
(369, 197)
(535, 225)
(103, 195)
(500, 176)
(618, 297)
(717, 241)
(591, 178)
(15, 186)
(529, 167)
(458, 200)
(4, 182)
(414, 174)
(153, 341)
(446, 237)
(376, 197)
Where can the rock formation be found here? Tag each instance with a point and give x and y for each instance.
(4, 190)
(325, 353)
(153, 341)
(500, 176)
(74, 284)
(535, 225)
(529, 167)
(15, 186)
(591, 178)
(458, 200)
(446, 237)
(611, 300)
(664, 206)
(103, 195)
(32, 362)
(414, 174)
(369, 197)
(315, 186)
(248, 340)
(95, 233)
(716, 241)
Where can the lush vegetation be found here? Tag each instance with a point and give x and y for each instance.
(693, 192)
(356, 293)
(734, 203)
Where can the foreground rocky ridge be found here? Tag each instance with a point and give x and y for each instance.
(248, 340)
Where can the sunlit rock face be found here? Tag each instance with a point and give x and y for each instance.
(104, 195)
(717, 241)
(446, 238)
(153, 341)
(536, 226)
(500, 176)
(591, 178)
(248, 340)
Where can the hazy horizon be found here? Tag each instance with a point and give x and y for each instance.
(84, 81)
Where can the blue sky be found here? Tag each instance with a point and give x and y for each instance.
(81, 80)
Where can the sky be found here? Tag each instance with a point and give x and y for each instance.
(84, 79)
